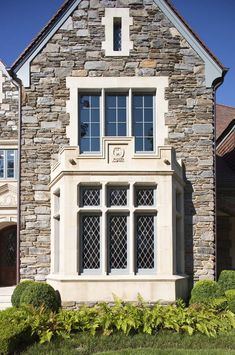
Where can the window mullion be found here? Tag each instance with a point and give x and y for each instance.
(5, 164)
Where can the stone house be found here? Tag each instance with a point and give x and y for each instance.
(225, 184)
(116, 157)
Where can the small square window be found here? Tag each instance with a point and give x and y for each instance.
(144, 196)
(117, 196)
(90, 196)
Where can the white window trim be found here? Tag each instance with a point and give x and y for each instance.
(78, 85)
(127, 21)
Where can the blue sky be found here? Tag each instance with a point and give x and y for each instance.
(212, 20)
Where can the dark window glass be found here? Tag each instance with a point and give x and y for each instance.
(8, 159)
(117, 34)
(89, 114)
(118, 241)
(116, 112)
(142, 112)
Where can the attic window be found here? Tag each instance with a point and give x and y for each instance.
(117, 22)
(117, 33)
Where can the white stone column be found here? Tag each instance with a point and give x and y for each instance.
(164, 225)
(68, 226)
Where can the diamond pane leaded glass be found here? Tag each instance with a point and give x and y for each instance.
(145, 197)
(145, 242)
(90, 196)
(90, 237)
(118, 196)
(118, 242)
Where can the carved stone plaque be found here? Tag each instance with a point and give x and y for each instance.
(118, 154)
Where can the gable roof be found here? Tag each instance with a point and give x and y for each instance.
(224, 116)
(213, 66)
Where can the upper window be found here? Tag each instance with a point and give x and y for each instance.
(117, 22)
(114, 118)
(8, 164)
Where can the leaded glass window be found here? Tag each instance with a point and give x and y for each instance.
(144, 196)
(143, 112)
(117, 196)
(90, 196)
(116, 115)
(90, 240)
(8, 164)
(145, 241)
(117, 33)
(89, 113)
(117, 242)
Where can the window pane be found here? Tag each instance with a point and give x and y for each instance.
(116, 115)
(145, 242)
(10, 163)
(143, 122)
(90, 196)
(117, 196)
(118, 241)
(1, 164)
(89, 115)
(117, 33)
(90, 239)
(144, 196)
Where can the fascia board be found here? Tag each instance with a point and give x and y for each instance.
(23, 70)
(212, 69)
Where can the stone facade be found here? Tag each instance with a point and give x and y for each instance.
(159, 50)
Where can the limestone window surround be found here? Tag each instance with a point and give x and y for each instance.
(111, 16)
(78, 85)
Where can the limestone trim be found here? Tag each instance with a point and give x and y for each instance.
(126, 22)
(8, 196)
(78, 85)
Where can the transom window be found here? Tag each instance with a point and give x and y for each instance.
(117, 114)
(8, 164)
(105, 229)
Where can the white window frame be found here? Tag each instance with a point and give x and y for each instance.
(4, 150)
(108, 22)
(79, 85)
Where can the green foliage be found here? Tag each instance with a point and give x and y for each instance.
(20, 288)
(227, 280)
(230, 294)
(14, 330)
(203, 291)
(40, 294)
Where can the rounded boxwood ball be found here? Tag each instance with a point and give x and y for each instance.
(203, 291)
(227, 280)
(40, 294)
(20, 288)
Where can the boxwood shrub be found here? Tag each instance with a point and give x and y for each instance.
(15, 331)
(15, 298)
(40, 294)
(204, 291)
(227, 280)
(230, 295)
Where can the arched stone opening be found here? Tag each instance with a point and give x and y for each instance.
(8, 254)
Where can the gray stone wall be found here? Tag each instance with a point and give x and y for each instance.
(9, 110)
(159, 50)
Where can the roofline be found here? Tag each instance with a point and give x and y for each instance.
(226, 133)
(39, 37)
(214, 68)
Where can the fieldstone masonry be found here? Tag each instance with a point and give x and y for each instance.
(9, 108)
(75, 50)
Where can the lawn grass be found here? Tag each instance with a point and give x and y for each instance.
(164, 343)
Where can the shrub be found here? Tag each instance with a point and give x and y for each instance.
(204, 291)
(227, 280)
(15, 330)
(230, 294)
(40, 294)
(15, 298)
